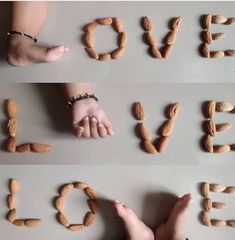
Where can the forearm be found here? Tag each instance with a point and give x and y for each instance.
(75, 89)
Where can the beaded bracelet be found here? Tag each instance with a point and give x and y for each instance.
(81, 97)
(22, 34)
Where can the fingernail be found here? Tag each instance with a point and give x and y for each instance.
(116, 201)
(86, 118)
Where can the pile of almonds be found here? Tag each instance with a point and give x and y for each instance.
(92, 203)
(211, 128)
(164, 132)
(12, 111)
(169, 39)
(208, 37)
(89, 39)
(14, 187)
(207, 204)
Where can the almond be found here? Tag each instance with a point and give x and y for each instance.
(218, 36)
(170, 38)
(167, 128)
(210, 109)
(122, 39)
(80, 185)
(207, 204)
(11, 145)
(12, 127)
(144, 132)
(117, 24)
(210, 127)
(89, 219)
(222, 126)
(93, 205)
(32, 222)
(230, 223)
(218, 223)
(117, 53)
(90, 27)
(11, 201)
(14, 186)
(146, 23)
(205, 189)
(150, 39)
(104, 57)
(207, 37)
(217, 19)
(155, 52)
(229, 53)
(92, 53)
(66, 189)
(216, 54)
(175, 23)
(76, 227)
(224, 107)
(139, 111)
(207, 143)
(205, 219)
(89, 40)
(105, 21)
(63, 220)
(59, 202)
(40, 148)
(12, 108)
(217, 187)
(19, 222)
(219, 205)
(221, 148)
(11, 216)
(230, 190)
(205, 50)
(230, 21)
(90, 193)
(149, 147)
(166, 51)
(162, 144)
(207, 21)
(23, 148)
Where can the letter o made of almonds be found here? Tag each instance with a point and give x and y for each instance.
(89, 218)
(90, 41)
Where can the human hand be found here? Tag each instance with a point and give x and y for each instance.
(89, 120)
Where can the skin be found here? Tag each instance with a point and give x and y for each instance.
(172, 229)
(88, 117)
(29, 17)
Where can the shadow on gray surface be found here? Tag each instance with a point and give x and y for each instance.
(113, 225)
(157, 207)
(5, 21)
(53, 100)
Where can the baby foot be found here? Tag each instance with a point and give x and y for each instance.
(23, 52)
(174, 228)
(135, 228)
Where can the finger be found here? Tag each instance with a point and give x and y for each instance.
(93, 127)
(78, 131)
(108, 126)
(86, 126)
(102, 130)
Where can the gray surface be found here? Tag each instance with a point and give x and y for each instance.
(147, 190)
(44, 118)
(65, 23)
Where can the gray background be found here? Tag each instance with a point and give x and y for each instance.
(45, 118)
(147, 190)
(65, 22)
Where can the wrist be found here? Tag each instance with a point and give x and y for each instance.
(76, 89)
(81, 98)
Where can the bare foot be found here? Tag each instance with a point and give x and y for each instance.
(174, 228)
(135, 228)
(23, 52)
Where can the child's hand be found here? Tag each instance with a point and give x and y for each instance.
(89, 120)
